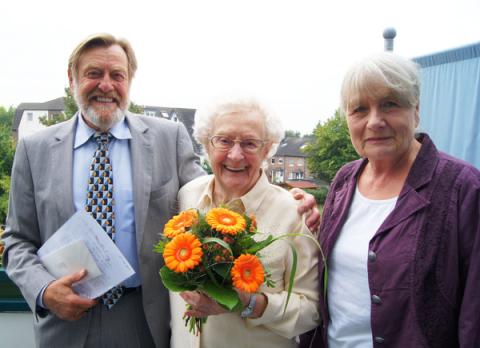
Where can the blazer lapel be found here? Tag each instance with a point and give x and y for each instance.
(61, 151)
(142, 159)
(412, 198)
(407, 205)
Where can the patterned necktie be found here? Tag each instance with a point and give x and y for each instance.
(100, 201)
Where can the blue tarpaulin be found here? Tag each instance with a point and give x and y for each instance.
(450, 101)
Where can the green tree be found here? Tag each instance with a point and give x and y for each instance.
(70, 106)
(292, 133)
(48, 121)
(6, 116)
(70, 110)
(7, 151)
(331, 148)
(4, 191)
(135, 108)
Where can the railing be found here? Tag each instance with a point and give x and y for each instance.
(11, 299)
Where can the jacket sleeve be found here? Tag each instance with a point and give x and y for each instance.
(22, 234)
(468, 207)
(301, 313)
(188, 164)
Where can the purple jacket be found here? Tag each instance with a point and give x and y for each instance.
(424, 260)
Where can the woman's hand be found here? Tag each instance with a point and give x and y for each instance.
(201, 305)
(307, 206)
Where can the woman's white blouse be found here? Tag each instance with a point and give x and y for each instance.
(276, 213)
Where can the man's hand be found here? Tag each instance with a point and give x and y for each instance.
(308, 205)
(60, 298)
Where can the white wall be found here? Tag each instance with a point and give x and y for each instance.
(16, 330)
(26, 126)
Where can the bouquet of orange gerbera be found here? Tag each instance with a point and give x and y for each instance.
(214, 253)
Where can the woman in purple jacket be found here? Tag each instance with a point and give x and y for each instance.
(401, 226)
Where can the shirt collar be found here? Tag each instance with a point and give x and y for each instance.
(83, 133)
(248, 203)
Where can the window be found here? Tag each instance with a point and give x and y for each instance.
(150, 113)
(29, 116)
(280, 161)
(273, 161)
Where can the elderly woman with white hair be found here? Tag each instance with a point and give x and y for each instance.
(238, 137)
(400, 228)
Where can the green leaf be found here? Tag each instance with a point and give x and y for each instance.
(159, 247)
(260, 245)
(212, 277)
(217, 241)
(226, 297)
(174, 281)
(222, 269)
(292, 275)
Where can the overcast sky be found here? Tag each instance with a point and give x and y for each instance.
(290, 54)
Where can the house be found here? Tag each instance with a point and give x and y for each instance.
(27, 116)
(288, 166)
(186, 116)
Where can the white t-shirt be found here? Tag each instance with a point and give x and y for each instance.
(349, 299)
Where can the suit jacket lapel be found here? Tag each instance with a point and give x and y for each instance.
(412, 198)
(61, 151)
(142, 159)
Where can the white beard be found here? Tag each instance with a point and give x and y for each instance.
(99, 122)
(92, 116)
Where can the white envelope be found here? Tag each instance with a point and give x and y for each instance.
(69, 259)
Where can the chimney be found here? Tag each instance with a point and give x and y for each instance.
(389, 34)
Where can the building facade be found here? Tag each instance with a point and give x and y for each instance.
(27, 116)
(288, 167)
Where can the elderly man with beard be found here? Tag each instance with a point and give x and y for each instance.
(150, 159)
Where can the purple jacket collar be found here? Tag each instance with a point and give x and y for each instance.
(420, 174)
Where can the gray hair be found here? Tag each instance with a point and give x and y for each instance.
(371, 75)
(204, 120)
(102, 40)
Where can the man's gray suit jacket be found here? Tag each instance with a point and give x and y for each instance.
(41, 200)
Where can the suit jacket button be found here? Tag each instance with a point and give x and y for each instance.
(379, 339)
(376, 299)
(372, 256)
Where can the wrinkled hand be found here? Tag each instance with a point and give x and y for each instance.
(201, 305)
(60, 298)
(308, 205)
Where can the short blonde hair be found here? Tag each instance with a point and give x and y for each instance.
(102, 40)
(372, 75)
(205, 119)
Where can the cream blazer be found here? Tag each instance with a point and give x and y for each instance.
(276, 213)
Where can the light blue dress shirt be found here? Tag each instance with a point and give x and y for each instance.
(119, 151)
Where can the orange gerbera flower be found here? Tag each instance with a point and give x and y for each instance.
(179, 223)
(247, 273)
(183, 252)
(225, 221)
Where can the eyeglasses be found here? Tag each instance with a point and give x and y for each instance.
(222, 143)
